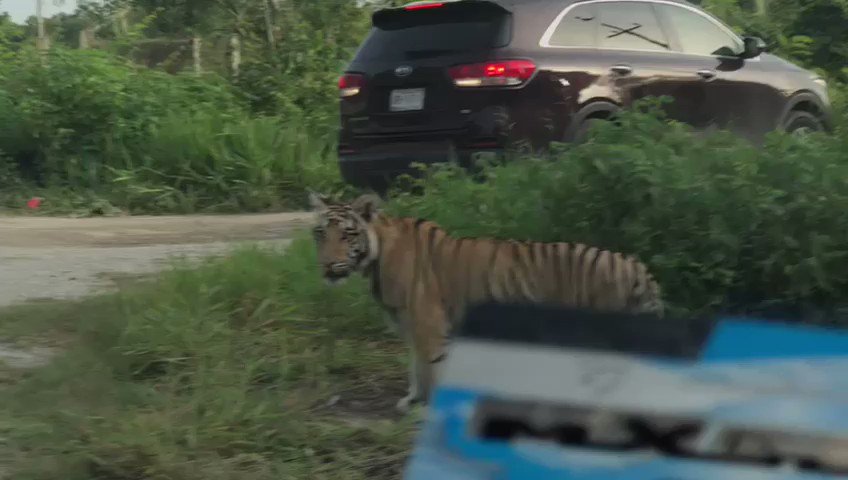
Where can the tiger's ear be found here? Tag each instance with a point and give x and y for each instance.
(317, 201)
(367, 206)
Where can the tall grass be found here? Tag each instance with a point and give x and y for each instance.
(247, 368)
(190, 163)
(214, 162)
(87, 128)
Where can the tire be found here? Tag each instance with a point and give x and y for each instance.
(802, 123)
(582, 133)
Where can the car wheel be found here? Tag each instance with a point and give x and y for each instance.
(802, 123)
(582, 133)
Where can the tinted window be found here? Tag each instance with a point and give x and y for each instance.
(577, 29)
(697, 34)
(630, 26)
(426, 34)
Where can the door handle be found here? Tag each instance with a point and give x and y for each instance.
(622, 69)
(706, 74)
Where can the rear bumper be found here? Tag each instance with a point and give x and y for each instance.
(377, 166)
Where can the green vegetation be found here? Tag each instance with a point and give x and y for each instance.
(809, 32)
(153, 106)
(88, 125)
(249, 367)
(135, 121)
(725, 225)
(246, 368)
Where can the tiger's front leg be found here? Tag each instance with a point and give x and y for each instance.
(422, 377)
(413, 395)
(427, 332)
(402, 325)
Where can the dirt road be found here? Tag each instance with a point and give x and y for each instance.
(58, 258)
(61, 258)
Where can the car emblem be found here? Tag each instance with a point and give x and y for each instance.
(403, 70)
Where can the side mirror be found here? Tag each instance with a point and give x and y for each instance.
(754, 46)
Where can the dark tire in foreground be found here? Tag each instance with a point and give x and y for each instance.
(802, 123)
(582, 133)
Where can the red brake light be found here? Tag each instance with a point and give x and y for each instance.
(350, 84)
(492, 74)
(423, 6)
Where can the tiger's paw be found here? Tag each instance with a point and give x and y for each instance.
(404, 404)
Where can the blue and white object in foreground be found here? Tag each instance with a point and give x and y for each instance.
(533, 393)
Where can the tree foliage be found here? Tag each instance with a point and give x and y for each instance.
(810, 32)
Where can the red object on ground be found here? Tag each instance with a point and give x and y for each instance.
(34, 203)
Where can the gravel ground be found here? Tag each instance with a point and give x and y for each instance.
(59, 258)
(62, 258)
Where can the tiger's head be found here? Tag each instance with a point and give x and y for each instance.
(345, 240)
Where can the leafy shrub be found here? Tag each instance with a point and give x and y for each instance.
(87, 105)
(222, 164)
(724, 224)
(79, 123)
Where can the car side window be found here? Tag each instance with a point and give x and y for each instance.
(630, 26)
(698, 35)
(577, 29)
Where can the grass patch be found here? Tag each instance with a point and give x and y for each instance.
(245, 368)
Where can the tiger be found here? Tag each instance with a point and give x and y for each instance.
(425, 278)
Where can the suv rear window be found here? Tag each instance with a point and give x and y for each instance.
(431, 33)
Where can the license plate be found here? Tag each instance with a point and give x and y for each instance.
(406, 100)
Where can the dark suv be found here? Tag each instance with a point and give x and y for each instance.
(437, 81)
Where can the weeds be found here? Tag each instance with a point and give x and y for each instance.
(92, 132)
(247, 368)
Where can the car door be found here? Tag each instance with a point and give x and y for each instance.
(641, 59)
(569, 58)
(709, 54)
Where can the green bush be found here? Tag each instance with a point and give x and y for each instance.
(82, 124)
(89, 104)
(725, 225)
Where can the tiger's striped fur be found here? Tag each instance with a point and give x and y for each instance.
(424, 278)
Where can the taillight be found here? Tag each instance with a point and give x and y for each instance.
(350, 84)
(492, 74)
(423, 6)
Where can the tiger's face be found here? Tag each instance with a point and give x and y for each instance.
(344, 240)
